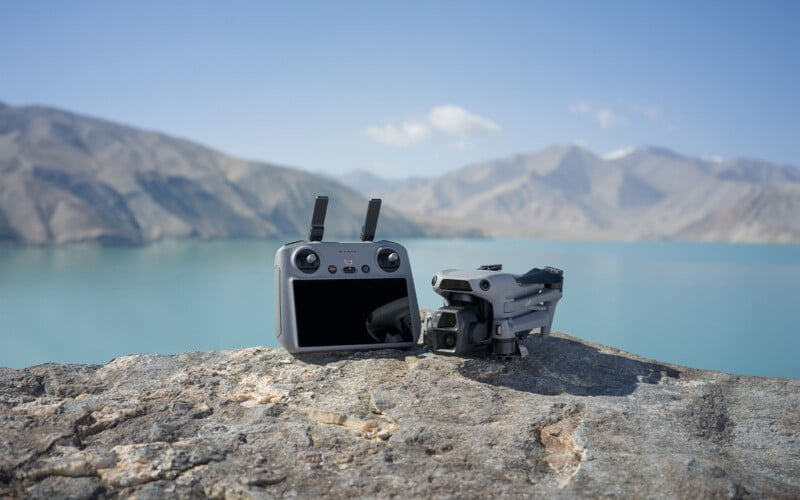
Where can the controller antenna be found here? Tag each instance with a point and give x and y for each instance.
(371, 222)
(318, 219)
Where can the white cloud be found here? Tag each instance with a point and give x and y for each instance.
(581, 107)
(406, 134)
(607, 118)
(654, 114)
(649, 112)
(459, 122)
(604, 115)
(448, 119)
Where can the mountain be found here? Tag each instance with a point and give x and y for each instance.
(69, 178)
(641, 193)
(770, 214)
(366, 182)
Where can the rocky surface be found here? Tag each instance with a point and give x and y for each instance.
(568, 419)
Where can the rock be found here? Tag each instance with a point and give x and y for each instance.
(569, 418)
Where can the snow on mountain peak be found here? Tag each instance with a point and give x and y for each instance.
(619, 153)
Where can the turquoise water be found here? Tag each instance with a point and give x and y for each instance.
(725, 307)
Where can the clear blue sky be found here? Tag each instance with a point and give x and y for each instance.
(418, 88)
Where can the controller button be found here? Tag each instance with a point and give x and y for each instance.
(349, 269)
(332, 269)
(365, 268)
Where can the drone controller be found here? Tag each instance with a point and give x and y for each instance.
(344, 296)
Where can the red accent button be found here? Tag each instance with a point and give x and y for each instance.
(332, 269)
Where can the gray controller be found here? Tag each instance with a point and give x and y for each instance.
(332, 296)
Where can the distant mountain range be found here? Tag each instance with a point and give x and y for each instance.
(637, 193)
(68, 178)
(368, 183)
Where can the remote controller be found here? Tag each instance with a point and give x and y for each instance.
(333, 296)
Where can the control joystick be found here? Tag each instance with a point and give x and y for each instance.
(388, 260)
(306, 260)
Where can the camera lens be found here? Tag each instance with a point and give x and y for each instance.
(447, 320)
(449, 340)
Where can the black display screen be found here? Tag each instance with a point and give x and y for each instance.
(351, 312)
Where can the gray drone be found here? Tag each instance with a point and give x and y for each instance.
(488, 311)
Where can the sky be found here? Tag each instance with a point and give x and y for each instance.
(418, 88)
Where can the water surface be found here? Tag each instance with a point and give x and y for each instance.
(717, 306)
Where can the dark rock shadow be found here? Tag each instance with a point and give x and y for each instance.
(560, 365)
(52, 379)
(325, 357)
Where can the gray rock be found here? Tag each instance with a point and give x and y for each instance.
(568, 419)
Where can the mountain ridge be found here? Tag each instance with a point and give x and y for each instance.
(646, 193)
(68, 178)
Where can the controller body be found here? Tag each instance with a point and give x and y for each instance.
(334, 296)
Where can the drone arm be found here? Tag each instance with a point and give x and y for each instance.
(538, 312)
(533, 302)
(504, 331)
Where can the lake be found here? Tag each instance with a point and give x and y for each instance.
(732, 308)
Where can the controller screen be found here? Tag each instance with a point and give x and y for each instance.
(352, 312)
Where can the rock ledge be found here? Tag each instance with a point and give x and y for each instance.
(570, 418)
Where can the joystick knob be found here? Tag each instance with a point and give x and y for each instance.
(388, 260)
(306, 260)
